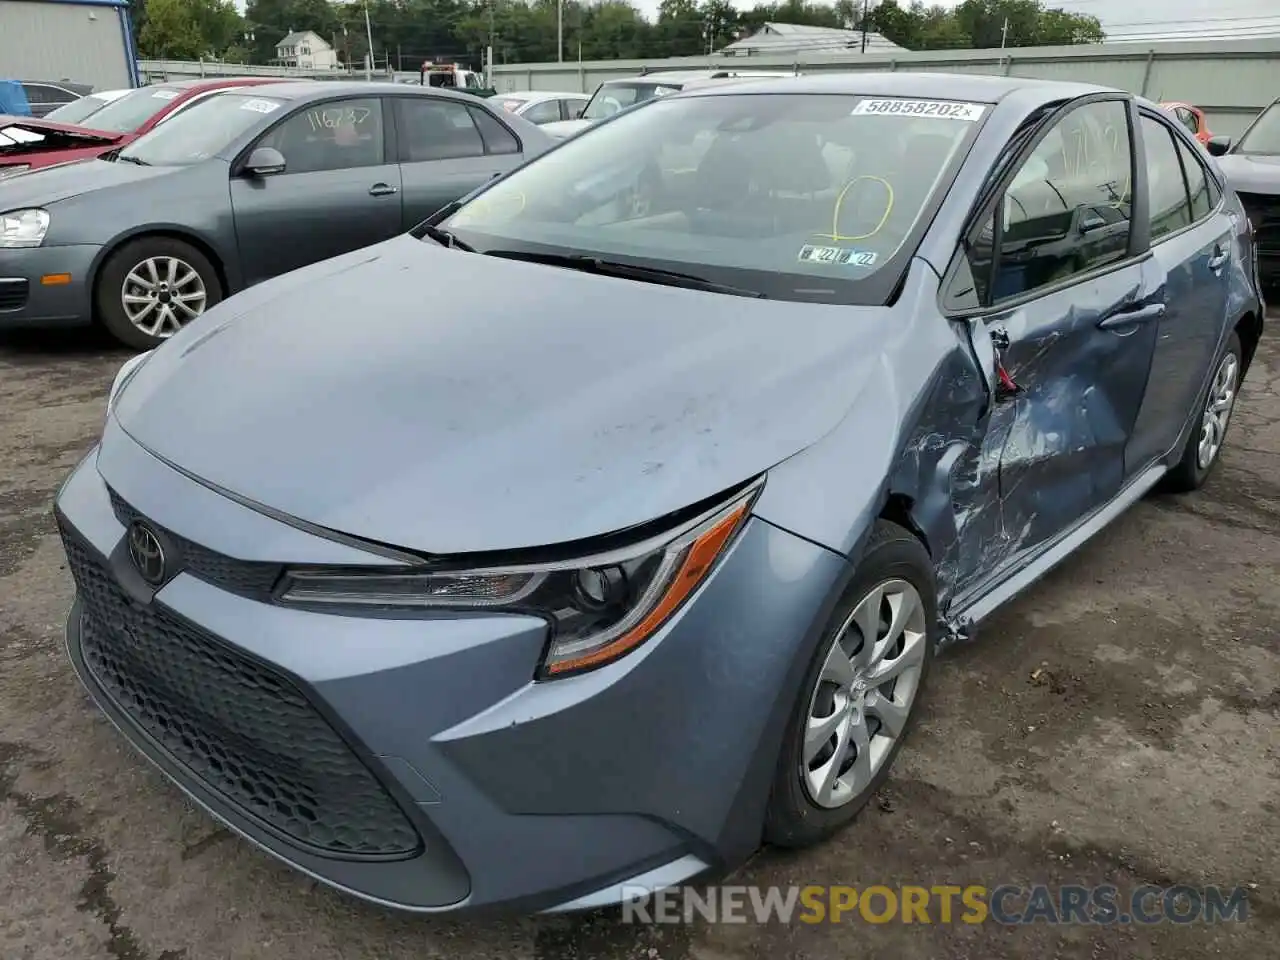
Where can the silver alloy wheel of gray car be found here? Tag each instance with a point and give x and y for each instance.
(163, 294)
(864, 693)
(1217, 410)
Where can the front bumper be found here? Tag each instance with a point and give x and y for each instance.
(34, 290)
(414, 762)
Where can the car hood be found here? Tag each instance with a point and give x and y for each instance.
(63, 181)
(561, 129)
(1251, 173)
(451, 403)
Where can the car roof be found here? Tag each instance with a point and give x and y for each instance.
(209, 83)
(539, 95)
(944, 86)
(320, 89)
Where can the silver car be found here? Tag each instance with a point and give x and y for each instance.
(542, 106)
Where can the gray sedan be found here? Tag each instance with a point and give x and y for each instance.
(243, 187)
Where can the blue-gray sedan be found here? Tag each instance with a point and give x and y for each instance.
(248, 184)
(606, 526)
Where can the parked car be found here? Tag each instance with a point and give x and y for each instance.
(80, 110)
(1252, 168)
(243, 186)
(45, 96)
(615, 95)
(619, 510)
(1191, 117)
(30, 143)
(543, 106)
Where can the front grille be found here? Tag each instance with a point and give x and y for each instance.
(247, 578)
(13, 294)
(244, 730)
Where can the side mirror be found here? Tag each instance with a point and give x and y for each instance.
(1218, 146)
(264, 161)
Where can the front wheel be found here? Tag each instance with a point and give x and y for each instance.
(860, 693)
(1204, 446)
(151, 288)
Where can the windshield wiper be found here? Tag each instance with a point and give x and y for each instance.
(445, 238)
(141, 163)
(628, 271)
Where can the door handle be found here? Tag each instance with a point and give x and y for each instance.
(1129, 316)
(381, 190)
(1219, 259)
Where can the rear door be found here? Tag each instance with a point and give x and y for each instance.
(339, 190)
(1191, 238)
(447, 149)
(1069, 291)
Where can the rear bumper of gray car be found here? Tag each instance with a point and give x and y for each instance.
(416, 762)
(46, 285)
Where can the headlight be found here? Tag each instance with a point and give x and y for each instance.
(23, 228)
(15, 169)
(599, 608)
(125, 375)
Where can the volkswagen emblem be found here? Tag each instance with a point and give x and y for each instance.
(146, 552)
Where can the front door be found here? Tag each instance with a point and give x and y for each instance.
(1068, 301)
(1192, 238)
(339, 190)
(447, 149)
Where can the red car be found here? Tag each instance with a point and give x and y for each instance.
(1192, 118)
(28, 143)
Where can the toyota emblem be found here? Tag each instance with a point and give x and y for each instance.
(146, 552)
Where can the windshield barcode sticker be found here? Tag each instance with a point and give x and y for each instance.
(259, 106)
(939, 109)
(858, 258)
(165, 94)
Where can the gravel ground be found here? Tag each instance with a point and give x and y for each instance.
(1120, 723)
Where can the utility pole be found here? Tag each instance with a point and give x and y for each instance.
(368, 32)
(865, 5)
(1004, 33)
(560, 30)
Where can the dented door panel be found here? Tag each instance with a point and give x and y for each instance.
(1080, 386)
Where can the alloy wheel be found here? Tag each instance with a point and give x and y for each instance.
(864, 693)
(1217, 410)
(162, 294)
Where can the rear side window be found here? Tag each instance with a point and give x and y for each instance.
(544, 112)
(1170, 208)
(432, 129)
(1202, 200)
(497, 138)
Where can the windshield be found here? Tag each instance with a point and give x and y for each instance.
(609, 98)
(77, 110)
(200, 131)
(133, 109)
(797, 196)
(1264, 136)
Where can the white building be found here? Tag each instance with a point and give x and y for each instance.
(306, 49)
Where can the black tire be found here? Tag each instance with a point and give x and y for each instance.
(1188, 474)
(109, 290)
(793, 819)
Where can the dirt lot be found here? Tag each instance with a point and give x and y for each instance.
(1145, 750)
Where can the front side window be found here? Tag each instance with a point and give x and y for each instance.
(200, 132)
(609, 98)
(1067, 208)
(796, 196)
(336, 135)
(1169, 207)
(134, 109)
(1263, 136)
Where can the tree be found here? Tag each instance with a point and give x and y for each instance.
(171, 32)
